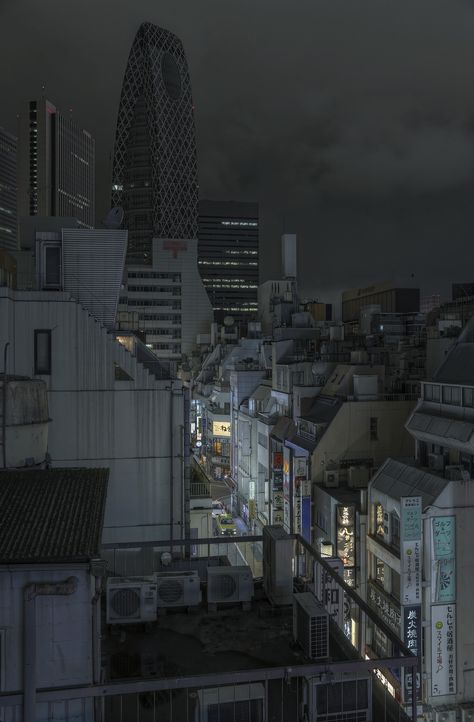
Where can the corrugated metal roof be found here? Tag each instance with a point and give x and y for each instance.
(397, 479)
(93, 263)
(446, 427)
(51, 515)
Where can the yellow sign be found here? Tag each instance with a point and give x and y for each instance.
(221, 428)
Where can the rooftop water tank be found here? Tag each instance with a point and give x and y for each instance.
(24, 421)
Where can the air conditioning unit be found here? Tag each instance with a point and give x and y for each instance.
(445, 714)
(178, 589)
(277, 565)
(236, 702)
(436, 462)
(345, 692)
(331, 478)
(132, 600)
(467, 714)
(229, 584)
(311, 625)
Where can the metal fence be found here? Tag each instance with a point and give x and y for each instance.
(349, 687)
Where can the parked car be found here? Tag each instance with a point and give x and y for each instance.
(225, 525)
(218, 509)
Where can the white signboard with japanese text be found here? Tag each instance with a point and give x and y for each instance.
(328, 591)
(410, 550)
(443, 649)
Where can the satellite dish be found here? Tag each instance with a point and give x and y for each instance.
(114, 217)
(229, 321)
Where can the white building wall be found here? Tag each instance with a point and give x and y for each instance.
(65, 647)
(135, 428)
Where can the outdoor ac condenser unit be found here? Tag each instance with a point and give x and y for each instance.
(132, 600)
(229, 584)
(342, 697)
(277, 565)
(178, 589)
(310, 625)
(331, 478)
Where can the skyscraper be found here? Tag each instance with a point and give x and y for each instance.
(56, 170)
(8, 228)
(228, 257)
(155, 171)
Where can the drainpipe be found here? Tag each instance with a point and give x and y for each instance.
(172, 467)
(4, 405)
(30, 592)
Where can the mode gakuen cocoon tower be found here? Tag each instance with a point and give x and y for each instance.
(154, 169)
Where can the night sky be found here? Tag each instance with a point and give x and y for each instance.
(350, 121)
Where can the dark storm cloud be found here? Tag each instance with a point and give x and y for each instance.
(351, 122)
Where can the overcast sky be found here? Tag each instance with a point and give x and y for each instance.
(351, 122)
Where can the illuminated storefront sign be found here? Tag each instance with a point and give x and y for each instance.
(410, 550)
(277, 460)
(221, 428)
(444, 559)
(412, 638)
(443, 649)
(345, 534)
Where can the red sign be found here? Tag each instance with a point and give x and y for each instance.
(175, 246)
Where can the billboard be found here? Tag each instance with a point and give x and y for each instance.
(443, 577)
(345, 534)
(443, 649)
(410, 550)
(221, 428)
(411, 621)
(306, 518)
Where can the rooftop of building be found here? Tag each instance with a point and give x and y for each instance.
(51, 516)
(396, 479)
(185, 643)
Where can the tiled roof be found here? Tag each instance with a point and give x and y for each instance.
(51, 515)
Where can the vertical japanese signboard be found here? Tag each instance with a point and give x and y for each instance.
(443, 649)
(277, 488)
(443, 576)
(328, 591)
(345, 540)
(286, 489)
(300, 472)
(411, 620)
(410, 550)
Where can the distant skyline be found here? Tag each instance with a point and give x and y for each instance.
(352, 125)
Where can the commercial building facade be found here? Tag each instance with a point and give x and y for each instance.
(8, 182)
(56, 168)
(228, 258)
(154, 174)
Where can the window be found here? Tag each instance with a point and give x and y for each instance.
(43, 352)
(395, 525)
(395, 579)
(431, 392)
(374, 428)
(468, 397)
(452, 395)
(51, 265)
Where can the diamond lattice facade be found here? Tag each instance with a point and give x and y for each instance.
(155, 169)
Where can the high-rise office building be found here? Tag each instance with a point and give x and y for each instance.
(56, 169)
(8, 227)
(228, 257)
(155, 169)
